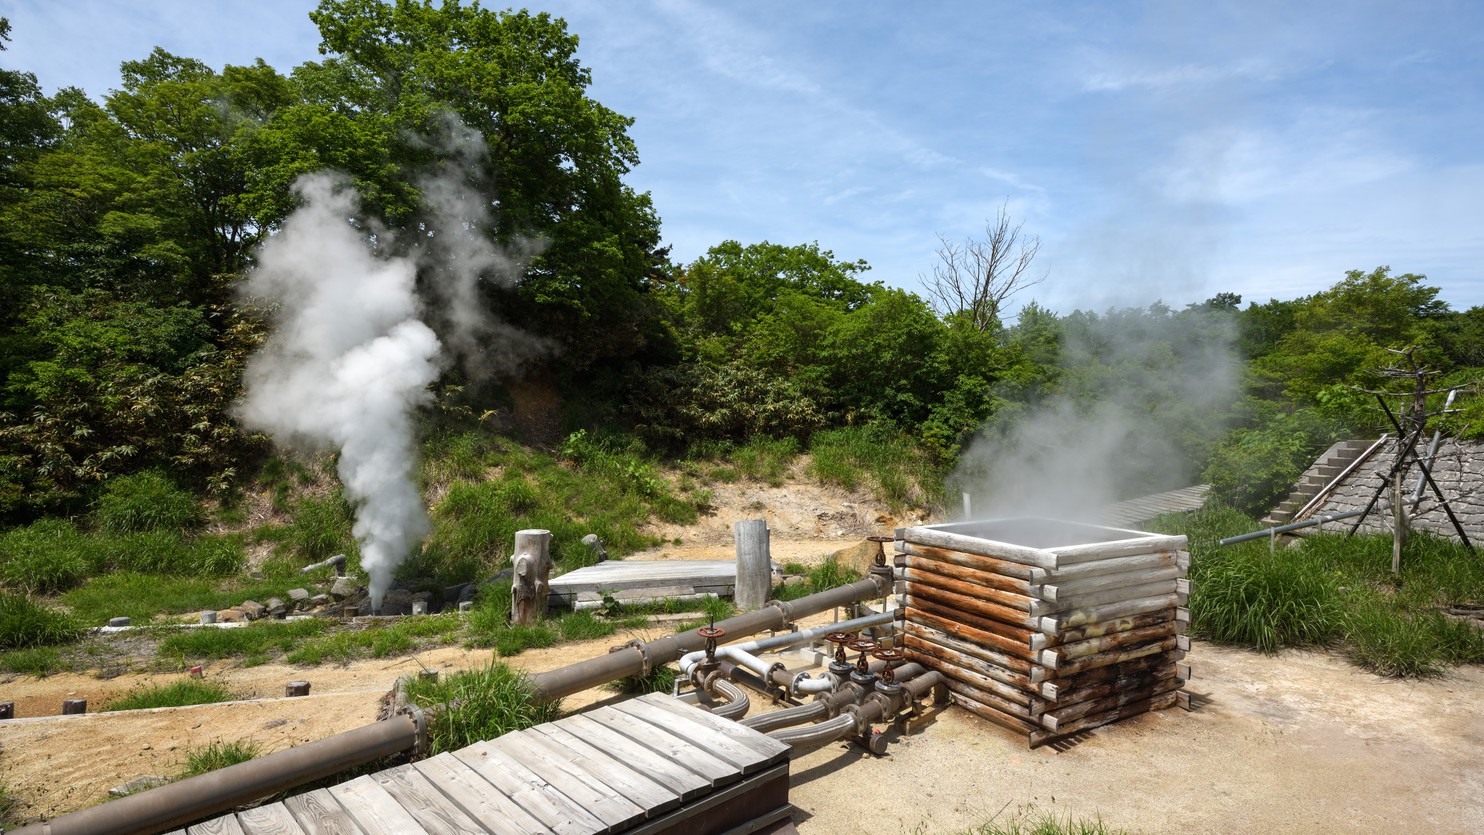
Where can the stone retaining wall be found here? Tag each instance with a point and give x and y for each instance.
(1458, 470)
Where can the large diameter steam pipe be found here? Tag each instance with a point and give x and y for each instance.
(194, 798)
(640, 657)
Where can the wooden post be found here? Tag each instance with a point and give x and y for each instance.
(72, 707)
(754, 564)
(1398, 523)
(296, 688)
(7, 710)
(532, 568)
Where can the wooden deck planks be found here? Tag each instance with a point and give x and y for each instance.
(319, 813)
(636, 764)
(374, 808)
(272, 819)
(477, 797)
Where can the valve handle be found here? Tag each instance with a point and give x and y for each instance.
(711, 633)
(889, 655)
(864, 645)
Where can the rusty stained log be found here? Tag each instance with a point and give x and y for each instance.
(975, 671)
(1133, 683)
(1068, 652)
(969, 574)
(1105, 597)
(1018, 602)
(1041, 737)
(1019, 661)
(1116, 657)
(979, 562)
(1054, 624)
(961, 639)
(933, 643)
(988, 548)
(957, 682)
(1059, 718)
(983, 608)
(969, 699)
(1094, 630)
(1067, 591)
(978, 583)
(1062, 688)
(1017, 639)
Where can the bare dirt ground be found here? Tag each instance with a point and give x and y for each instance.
(1300, 742)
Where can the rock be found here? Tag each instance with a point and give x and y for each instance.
(319, 600)
(233, 615)
(138, 784)
(253, 609)
(119, 621)
(796, 580)
(277, 608)
(345, 587)
(859, 557)
(298, 595)
(396, 602)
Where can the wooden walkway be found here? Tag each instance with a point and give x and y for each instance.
(1145, 508)
(646, 765)
(644, 579)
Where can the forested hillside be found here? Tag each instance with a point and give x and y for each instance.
(130, 220)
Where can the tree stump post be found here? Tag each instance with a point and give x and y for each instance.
(754, 564)
(531, 568)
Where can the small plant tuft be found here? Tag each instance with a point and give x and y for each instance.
(175, 694)
(475, 705)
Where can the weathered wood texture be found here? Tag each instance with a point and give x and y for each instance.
(531, 566)
(649, 765)
(1066, 628)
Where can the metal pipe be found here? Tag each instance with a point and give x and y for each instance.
(817, 734)
(195, 798)
(1432, 453)
(1293, 526)
(638, 658)
(737, 701)
(773, 720)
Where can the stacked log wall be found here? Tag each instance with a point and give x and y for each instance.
(1048, 641)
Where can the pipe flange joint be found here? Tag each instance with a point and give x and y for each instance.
(422, 746)
(646, 663)
(889, 689)
(793, 686)
(862, 724)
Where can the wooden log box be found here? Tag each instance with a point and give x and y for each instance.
(985, 579)
(1060, 717)
(968, 634)
(983, 706)
(919, 644)
(1054, 624)
(973, 605)
(1104, 643)
(1123, 684)
(1001, 551)
(1058, 589)
(975, 671)
(1117, 565)
(1094, 599)
(1094, 630)
(1055, 690)
(1115, 657)
(1017, 639)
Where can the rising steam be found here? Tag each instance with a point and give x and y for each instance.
(1138, 397)
(353, 348)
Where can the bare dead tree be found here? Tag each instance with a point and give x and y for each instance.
(975, 277)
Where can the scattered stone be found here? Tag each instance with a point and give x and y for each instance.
(796, 580)
(209, 617)
(318, 600)
(345, 587)
(119, 621)
(232, 615)
(253, 609)
(396, 602)
(277, 608)
(298, 595)
(138, 784)
(296, 688)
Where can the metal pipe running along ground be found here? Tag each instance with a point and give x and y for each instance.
(204, 795)
(638, 658)
(195, 798)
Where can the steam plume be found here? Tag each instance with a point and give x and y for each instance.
(1139, 395)
(347, 364)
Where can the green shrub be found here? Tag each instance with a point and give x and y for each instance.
(25, 624)
(217, 755)
(767, 459)
(661, 679)
(167, 552)
(475, 705)
(583, 626)
(175, 694)
(146, 501)
(144, 596)
(45, 557)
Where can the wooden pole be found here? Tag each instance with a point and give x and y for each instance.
(754, 564)
(1398, 524)
(531, 569)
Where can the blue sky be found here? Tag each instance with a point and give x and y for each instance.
(1159, 150)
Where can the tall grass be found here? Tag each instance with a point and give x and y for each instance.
(1030, 820)
(45, 557)
(147, 501)
(218, 754)
(889, 464)
(143, 596)
(474, 705)
(1333, 590)
(175, 694)
(253, 639)
(26, 624)
(53, 556)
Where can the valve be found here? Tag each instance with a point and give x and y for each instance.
(893, 657)
(880, 547)
(839, 639)
(711, 633)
